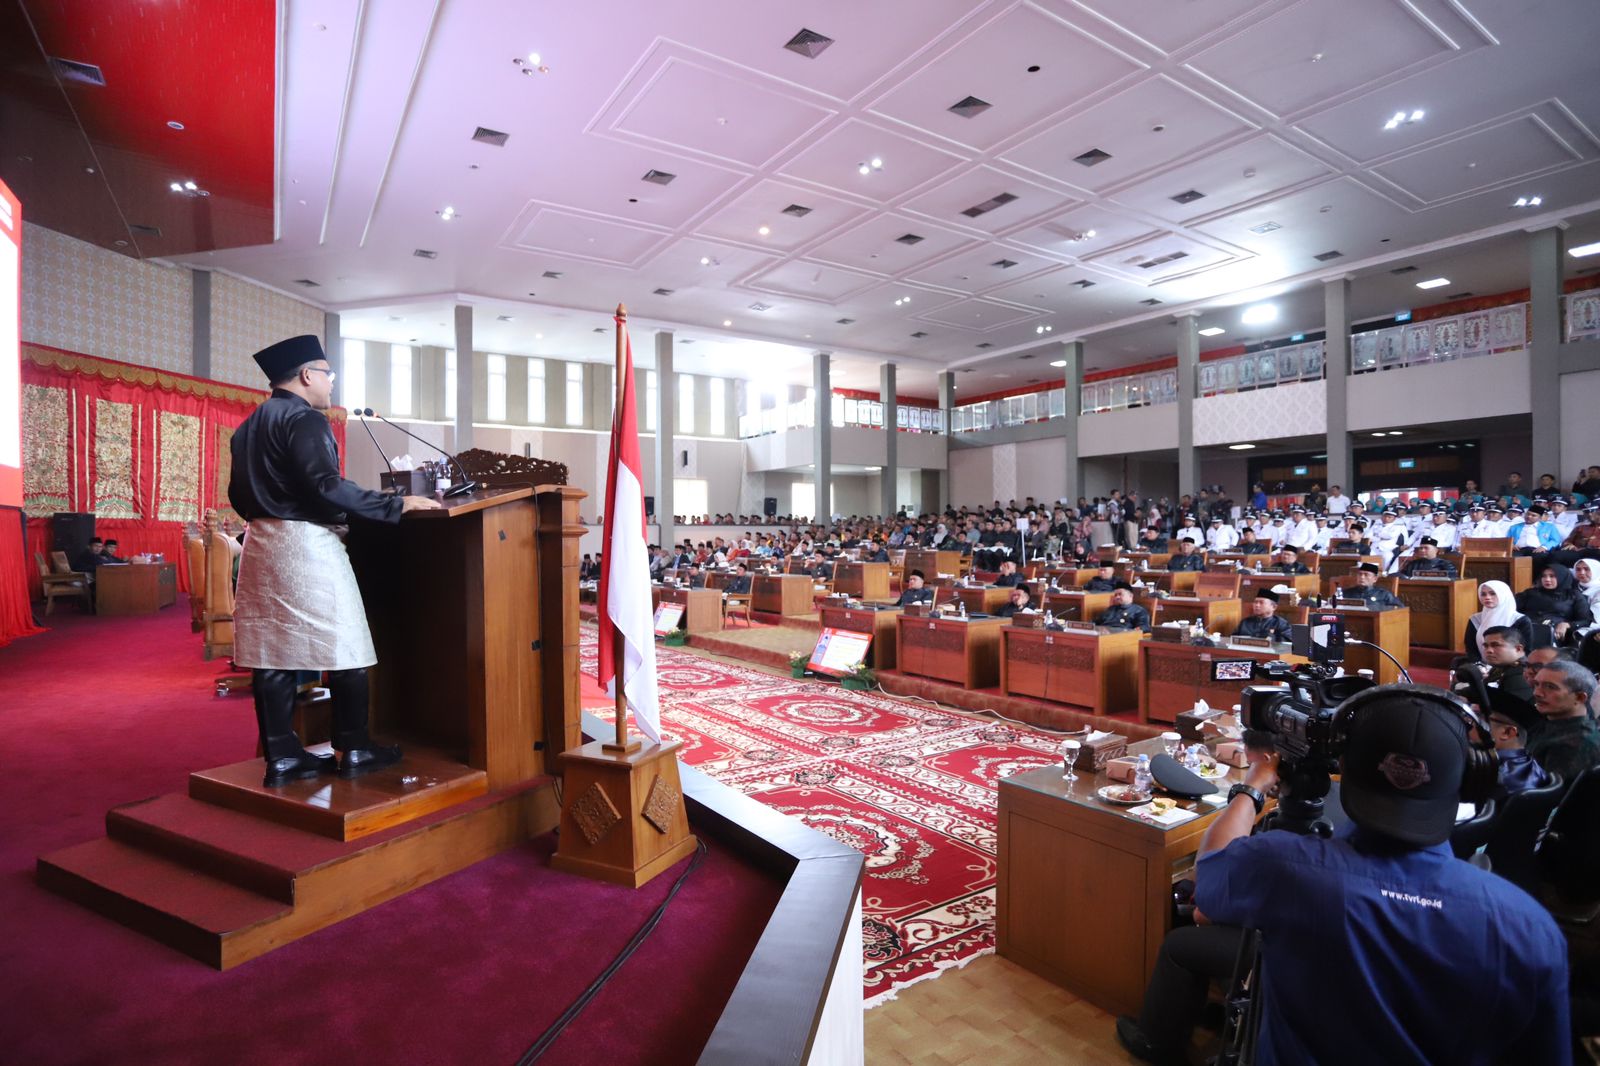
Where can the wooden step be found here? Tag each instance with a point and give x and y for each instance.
(421, 783)
(164, 900)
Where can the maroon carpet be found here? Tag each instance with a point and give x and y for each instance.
(102, 711)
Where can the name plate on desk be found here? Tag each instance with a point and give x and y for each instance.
(1250, 642)
(1028, 621)
(1351, 605)
(1080, 627)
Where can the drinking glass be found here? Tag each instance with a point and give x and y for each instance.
(1069, 755)
(1173, 743)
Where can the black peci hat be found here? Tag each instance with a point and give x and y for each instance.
(1371, 568)
(280, 360)
(1266, 594)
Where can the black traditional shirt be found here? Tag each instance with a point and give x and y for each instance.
(286, 465)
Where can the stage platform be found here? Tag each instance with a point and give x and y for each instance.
(760, 645)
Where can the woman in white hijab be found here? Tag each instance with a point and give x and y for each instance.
(1586, 572)
(939, 535)
(1498, 608)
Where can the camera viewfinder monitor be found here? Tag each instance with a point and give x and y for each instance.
(1321, 640)
(1239, 670)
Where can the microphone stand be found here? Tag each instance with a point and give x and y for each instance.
(393, 488)
(1404, 673)
(467, 484)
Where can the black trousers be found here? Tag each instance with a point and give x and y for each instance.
(274, 692)
(1191, 957)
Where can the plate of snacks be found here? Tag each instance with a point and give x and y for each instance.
(1123, 795)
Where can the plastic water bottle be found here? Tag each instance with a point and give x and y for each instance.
(1192, 760)
(1049, 619)
(1141, 775)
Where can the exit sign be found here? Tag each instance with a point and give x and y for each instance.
(1301, 471)
(1408, 464)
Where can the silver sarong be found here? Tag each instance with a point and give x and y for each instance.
(297, 606)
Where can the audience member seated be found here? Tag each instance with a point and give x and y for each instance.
(1510, 723)
(1502, 669)
(914, 591)
(1567, 741)
(1123, 612)
(1555, 607)
(1289, 561)
(1250, 544)
(739, 583)
(1426, 562)
(1497, 607)
(1152, 540)
(1008, 576)
(588, 569)
(1366, 588)
(1021, 600)
(1352, 540)
(1104, 581)
(109, 555)
(1188, 560)
(1264, 620)
(1534, 535)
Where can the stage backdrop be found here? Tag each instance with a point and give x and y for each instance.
(145, 450)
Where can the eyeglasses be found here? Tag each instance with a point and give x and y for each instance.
(333, 375)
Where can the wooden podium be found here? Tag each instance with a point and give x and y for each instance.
(474, 612)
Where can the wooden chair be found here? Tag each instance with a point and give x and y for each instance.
(1312, 561)
(736, 605)
(62, 583)
(194, 551)
(217, 616)
(1493, 547)
(1214, 586)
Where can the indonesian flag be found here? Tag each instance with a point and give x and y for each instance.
(624, 594)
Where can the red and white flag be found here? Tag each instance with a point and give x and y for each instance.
(624, 593)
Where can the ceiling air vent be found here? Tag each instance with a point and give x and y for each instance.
(425, 253)
(1404, 270)
(140, 230)
(1084, 283)
(658, 177)
(1187, 197)
(986, 344)
(1326, 256)
(485, 135)
(598, 329)
(1004, 264)
(797, 211)
(665, 292)
(1151, 302)
(1265, 228)
(918, 335)
(1458, 296)
(758, 306)
(553, 275)
(79, 73)
(908, 239)
(989, 205)
(1093, 157)
(1160, 259)
(808, 43)
(505, 318)
(845, 321)
(308, 283)
(969, 107)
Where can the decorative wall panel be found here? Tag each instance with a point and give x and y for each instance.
(1266, 414)
(114, 449)
(245, 318)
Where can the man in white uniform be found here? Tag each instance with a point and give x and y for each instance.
(1388, 538)
(1221, 537)
(1301, 532)
(1338, 502)
(1189, 531)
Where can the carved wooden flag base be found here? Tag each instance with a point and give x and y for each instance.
(623, 818)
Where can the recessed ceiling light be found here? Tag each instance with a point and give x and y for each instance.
(1380, 433)
(1212, 331)
(875, 163)
(902, 300)
(764, 230)
(1583, 250)
(1093, 157)
(1044, 329)
(447, 214)
(1528, 201)
(1433, 283)
(1396, 433)
(727, 322)
(1241, 447)
(1403, 118)
(1059, 363)
(1259, 314)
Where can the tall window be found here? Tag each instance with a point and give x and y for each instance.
(449, 384)
(400, 379)
(497, 388)
(685, 403)
(536, 412)
(650, 399)
(691, 496)
(354, 377)
(574, 394)
(803, 499)
(719, 407)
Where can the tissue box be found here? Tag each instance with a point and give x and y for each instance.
(1223, 727)
(1232, 753)
(1096, 753)
(1121, 769)
(1189, 723)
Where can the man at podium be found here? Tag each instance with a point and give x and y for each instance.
(297, 607)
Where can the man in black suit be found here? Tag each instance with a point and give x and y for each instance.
(1009, 578)
(1188, 558)
(914, 591)
(1021, 600)
(1289, 561)
(1123, 612)
(1264, 620)
(1426, 561)
(739, 583)
(1366, 589)
(1103, 581)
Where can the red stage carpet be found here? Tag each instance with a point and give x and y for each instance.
(472, 968)
(913, 788)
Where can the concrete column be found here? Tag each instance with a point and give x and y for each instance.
(465, 379)
(1336, 366)
(822, 446)
(947, 403)
(666, 423)
(200, 333)
(1072, 378)
(1188, 362)
(1546, 249)
(601, 380)
(891, 440)
(333, 344)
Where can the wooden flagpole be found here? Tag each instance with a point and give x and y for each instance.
(619, 645)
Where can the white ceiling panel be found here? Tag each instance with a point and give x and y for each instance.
(981, 268)
(1125, 127)
(1516, 148)
(1253, 170)
(1067, 235)
(1163, 255)
(1340, 215)
(1165, 25)
(996, 64)
(548, 228)
(764, 204)
(811, 281)
(885, 244)
(833, 161)
(980, 316)
(977, 187)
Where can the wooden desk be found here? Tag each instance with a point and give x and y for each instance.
(1390, 630)
(135, 588)
(1514, 570)
(982, 599)
(782, 594)
(1084, 889)
(1303, 584)
(1076, 606)
(1173, 677)
(702, 608)
(962, 653)
(864, 581)
(932, 563)
(1098, 670)
(1439, 610)
(881, 624)
(1335, 570)
(1217, 615)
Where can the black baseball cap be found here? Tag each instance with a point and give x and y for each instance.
(1404, 759)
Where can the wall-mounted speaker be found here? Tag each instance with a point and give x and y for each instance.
(769, 506)
(649, 506)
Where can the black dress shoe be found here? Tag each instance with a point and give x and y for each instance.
(298, 768)
(1132, 1038)
(365, 760)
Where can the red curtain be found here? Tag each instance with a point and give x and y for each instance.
(16, 612)
(145, 450)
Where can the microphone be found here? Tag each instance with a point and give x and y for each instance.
(466, 485)
(381, 453)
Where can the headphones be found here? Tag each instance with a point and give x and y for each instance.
(1482, 771)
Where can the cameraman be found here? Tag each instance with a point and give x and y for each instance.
(1377, 945)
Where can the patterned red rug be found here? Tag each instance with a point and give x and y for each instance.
(913, 788)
